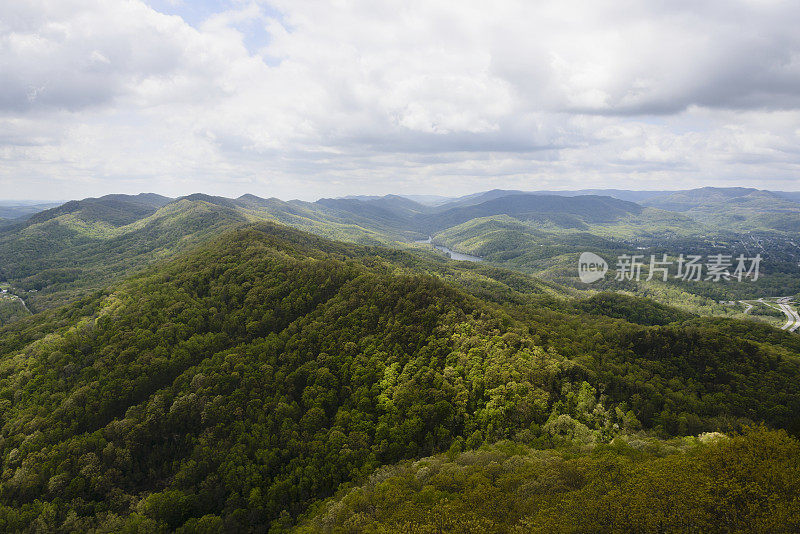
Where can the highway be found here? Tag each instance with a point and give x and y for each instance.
(783, 304)
(792, 318)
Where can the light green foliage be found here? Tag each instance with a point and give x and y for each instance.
(249, 378)
(747, 483)
(248, 371)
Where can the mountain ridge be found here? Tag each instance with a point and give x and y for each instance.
(246, 378)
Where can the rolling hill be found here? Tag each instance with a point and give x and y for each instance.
(570, 212)
(620, 194)
(110, 210)
(717, 199)
(235, 385)
(739, 208)
(60, 254)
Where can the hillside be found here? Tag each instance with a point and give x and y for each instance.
(710, 221)
(62, 254)
(111, 210)
(620, 194)
(739, 208)
(571, 212)
(720, 198)
(711, 484)
(242, 381)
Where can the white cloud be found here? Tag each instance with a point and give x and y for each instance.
(359, 96)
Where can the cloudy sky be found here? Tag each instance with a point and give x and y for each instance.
(308, 98)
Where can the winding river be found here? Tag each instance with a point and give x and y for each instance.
(458, 256)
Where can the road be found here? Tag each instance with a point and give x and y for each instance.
(12, 296)
(793, 319)
(24, 305)
(782, 304)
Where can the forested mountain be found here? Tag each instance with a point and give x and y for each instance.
(711, 221)
(311, 267)
(112, 210)
(58, 254)
(717, 199)
(477, 198)
(61, 254)
(740, 208)
(715, 207)
(620, 194)
(235, 385)
(562, 211)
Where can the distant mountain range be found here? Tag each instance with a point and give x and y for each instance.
(642, 197)
(62, 250)
(682, 200)
(714, 199)
(15, 209)
(212, 364)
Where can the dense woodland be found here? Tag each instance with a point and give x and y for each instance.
(234, 387)
(748, 483)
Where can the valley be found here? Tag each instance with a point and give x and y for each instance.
(354, 267)
(212, 364)
(535, 234)
(457, 256)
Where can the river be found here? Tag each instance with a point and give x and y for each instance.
(458, 256)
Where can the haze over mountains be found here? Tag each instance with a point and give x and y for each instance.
(695, 200)
(15, 209)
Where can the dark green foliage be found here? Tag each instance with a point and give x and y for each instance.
(11, 309)
(745, 484)
(237, 384)
(632, 309)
